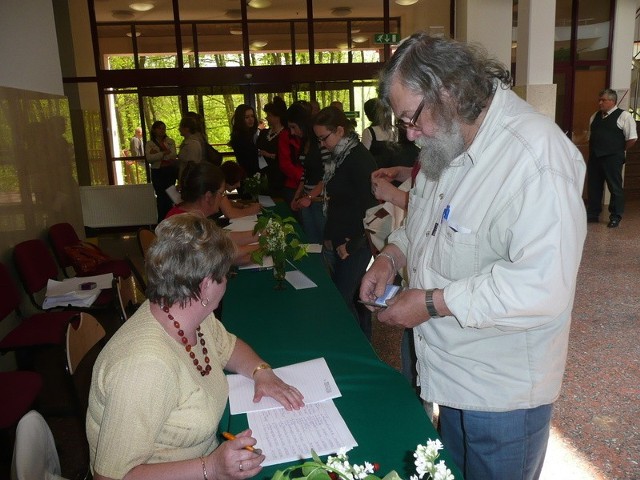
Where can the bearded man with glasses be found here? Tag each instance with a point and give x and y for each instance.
(492, 243)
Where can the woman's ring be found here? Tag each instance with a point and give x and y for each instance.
(240, 466)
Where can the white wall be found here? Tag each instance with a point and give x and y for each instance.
(29, 54)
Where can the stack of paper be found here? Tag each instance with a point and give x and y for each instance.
(69, 291)
(286, 436)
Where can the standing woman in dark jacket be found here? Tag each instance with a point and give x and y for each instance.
(276, 112)
(307, 199)
(160, 152)
(244, 133)
(347, 194)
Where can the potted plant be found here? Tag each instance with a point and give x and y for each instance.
(278, 239)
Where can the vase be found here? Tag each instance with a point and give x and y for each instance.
(279, 272)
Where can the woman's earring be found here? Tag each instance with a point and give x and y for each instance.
(204, 303)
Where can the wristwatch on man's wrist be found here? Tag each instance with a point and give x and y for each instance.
(431, 308)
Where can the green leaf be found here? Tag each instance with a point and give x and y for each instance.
(373, 477)
(315, 456)
(318, 474)
(301, 253)
(279, 475)
(392, 475)
(257, 256)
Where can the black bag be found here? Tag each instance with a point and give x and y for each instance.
(212, 155)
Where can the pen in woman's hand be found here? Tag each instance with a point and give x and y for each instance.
(231, 436)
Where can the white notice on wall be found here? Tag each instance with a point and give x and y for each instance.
(286, 436)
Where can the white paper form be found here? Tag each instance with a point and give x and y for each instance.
(266, 201)
(313, 378)
(299, 280)
(286, 436)
(242, 224)
(313, 248)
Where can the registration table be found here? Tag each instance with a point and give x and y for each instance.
(289, 326)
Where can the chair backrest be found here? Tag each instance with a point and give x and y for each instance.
(10, 295)
(146, 236)
(84, 343)
(62, 235)
(35, 265)
(141, 283)
(34, 453)
(81, 338)
(124, 297)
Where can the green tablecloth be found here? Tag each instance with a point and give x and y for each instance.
(383, 413)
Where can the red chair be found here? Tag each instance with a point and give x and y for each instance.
(21, 390)
(36, 267)
(64, 235)
(40, 329)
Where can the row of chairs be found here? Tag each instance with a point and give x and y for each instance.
(34, 453)
(77, 332)
(35, 265)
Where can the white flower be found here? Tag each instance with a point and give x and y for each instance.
(442, 472)
(425, 461)
(340, 463)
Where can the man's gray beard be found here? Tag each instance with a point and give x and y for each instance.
(437, 152)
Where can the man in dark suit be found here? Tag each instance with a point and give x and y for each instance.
(612, 132)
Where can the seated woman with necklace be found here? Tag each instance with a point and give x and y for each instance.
(158, 388)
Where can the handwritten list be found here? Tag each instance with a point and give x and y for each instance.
(286, 436)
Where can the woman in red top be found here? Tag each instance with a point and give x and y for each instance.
(289, 146)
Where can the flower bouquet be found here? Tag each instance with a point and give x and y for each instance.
(279, 239)
(339, 468)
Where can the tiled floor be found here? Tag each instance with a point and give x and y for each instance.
(595, 433)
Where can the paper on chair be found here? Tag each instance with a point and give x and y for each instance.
(286, 436)
(313, 378)
(68, 292)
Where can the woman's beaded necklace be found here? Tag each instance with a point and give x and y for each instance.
(273, 134)
(187, 346)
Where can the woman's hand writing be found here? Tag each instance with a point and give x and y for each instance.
(231, 461)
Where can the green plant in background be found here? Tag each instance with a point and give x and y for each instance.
(255, 185)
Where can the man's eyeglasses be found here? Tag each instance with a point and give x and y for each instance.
(411, 124)
(323, 139)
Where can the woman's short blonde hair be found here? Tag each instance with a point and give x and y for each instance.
(189, 248)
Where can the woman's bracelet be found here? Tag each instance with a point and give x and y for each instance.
(204, 469)
(391, 259)
(262, 366)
